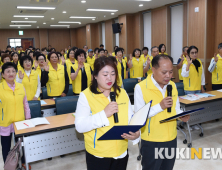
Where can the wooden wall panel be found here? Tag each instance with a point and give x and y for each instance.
(185, 43)
(59, 38)
(81, 37)
(43, 38)
(95, 35)
(218, 27)
(159, 26)
(130, 33)
(11, 33)
(73, 37)
(109, 35)
(88, 35)
(123, 34)
(197, 24)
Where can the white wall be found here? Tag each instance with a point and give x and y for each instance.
(103, 35)
(147, 31)
(117, 35)
(176, 32)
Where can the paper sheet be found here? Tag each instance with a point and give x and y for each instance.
(43, 102)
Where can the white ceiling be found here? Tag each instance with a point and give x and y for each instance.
(73, 8)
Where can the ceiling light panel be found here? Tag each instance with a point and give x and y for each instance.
(29, 16)
(79, 17)
(23, 21)
(33, 7)
(103, 10)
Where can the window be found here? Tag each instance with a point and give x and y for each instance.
(14, 42)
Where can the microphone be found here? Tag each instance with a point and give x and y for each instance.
(169, 93)
(113, 99)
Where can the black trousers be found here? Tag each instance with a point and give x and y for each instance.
(6, 146)
(148, 155)
(216, 86)
(94, 163)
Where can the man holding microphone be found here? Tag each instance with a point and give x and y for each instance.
(153, 134)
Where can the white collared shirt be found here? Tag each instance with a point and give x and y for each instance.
(139, 101)
(85, 122)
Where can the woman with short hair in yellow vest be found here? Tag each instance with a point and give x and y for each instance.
(193, 72)
(121, 64)
(155, 135)
(113, 53)
(90, 59)
(81, 73)
(96, 53)
(94, 117)
(39, 65)
(15, 59)
(13, 105)
(162, 49)
(215, 68)
(145, 54)
(55, 77)
(135, 64)
(181, 61)
(29, 78)
(31, 54)
(4, 59)
(119, 80)
(70, 62)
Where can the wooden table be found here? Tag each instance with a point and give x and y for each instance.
(212, 111)
(49, 102)
(46, 141)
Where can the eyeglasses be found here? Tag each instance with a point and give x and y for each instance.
(194, 52)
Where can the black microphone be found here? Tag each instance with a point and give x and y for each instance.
(113, 99)
(169, 93)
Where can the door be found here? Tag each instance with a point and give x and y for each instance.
(26, 43)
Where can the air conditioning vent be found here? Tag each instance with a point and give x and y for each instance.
(27, 11)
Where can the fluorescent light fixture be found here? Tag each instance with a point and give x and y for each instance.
(103, 10)
(20, 25)
(29, 16)
(83, 2)
(143, 0)
(93, 19)
(140, 5)
(104, 16)
(112, 13)
(64, 12)
(82, 17)
(59, 25)
(52, 18)
(26, 18)
(37, 26)
(34, 7)
(44, 23)
(23, 21)
(68, 22)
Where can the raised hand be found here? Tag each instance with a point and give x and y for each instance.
(130, 57)
(148, 61)
(63, 60)
(189, 61)
(36, 64)
(46, 66)
(182, 57)
(21, 75)
(215, 57)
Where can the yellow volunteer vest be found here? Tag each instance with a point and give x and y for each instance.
(39, 71)
(149, 72)
(193, 81)
(137, 69)
(119, 80)
(91, 61)
(30, 83)
(11, 104)
(68, 69)
(113, 54)
(56, 82)
(119, 68)
(164, 53)
(153, 131)
(180, 70)
(77, 83)
(65, 56)
(125, 58)
(217, 73)
(106, 148)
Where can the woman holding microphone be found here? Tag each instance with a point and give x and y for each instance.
(94, 117)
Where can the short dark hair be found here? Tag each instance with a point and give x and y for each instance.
(155, 61)
(70, 51)
(8, 65)
(43, 49)
(58, 53)
(160, 46)
(96, 49)
(20, 55)
(5, 56)
(101, 45)
(185, 48)
(74, 48)
(113, 59)
(36, 53)
(40, 54)
(115, 47)
(101, 49)
(52, 49)
(31, 52)
(118, 49)
(78, 52)
(8, 46)
(154, 47)
(85, 46)
(14, 54)
(49, 55)
(145, 48)
(26, 57)
(220, 46)
(106, 50)
(190, 48)
(137, 49)
(98, 65)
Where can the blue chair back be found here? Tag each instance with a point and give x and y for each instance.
(35, 108)
(44, 93)
(143, 78)
(129, 84)
(66, 104)
(70, 92)
(180, 89)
